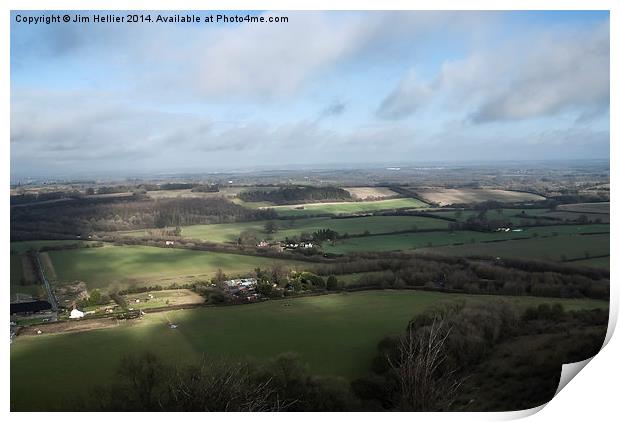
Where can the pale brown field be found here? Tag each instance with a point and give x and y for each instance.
(443, 196)
(371, 192)
(187, 193)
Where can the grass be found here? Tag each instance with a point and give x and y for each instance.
(601, 262)
(593, 207)
(551, 248)
(515, 215)
(125, 266)
(523, 217)
(572, 216)
(335, 334)
(288, 228)
(348, 207)
(21, 247)
(162, 298)
(406, 241)
(26, 287)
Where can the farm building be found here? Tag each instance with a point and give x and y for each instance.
(241, 283)
(76, 314)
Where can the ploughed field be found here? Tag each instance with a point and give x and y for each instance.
(334, 334)
(444, 196)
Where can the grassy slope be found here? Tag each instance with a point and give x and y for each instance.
(335, 334)
(287, 228)
(19, 247)
(143, 265)
(602, 262)
(541, 249)
(433, 239)
(600, 207)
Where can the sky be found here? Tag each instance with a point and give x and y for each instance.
(325, 88)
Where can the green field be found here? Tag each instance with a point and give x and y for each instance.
(123, 266)
(516, 216)
(551, 248)
(406, 241)
(593, 207)
(335, 334)
(289, 228)
(601, 262)
(28, 287)
(348, 207)
(20, 247)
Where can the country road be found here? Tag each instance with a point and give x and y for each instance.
(48, 288)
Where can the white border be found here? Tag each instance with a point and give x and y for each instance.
(590, 395)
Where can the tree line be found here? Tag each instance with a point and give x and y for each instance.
(84, 216)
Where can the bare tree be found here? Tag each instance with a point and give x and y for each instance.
(216, 385)
(425, 382)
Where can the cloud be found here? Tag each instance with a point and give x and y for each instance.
(538, 75)
(555, 76)
(335, 108)
(407, 97)
(216, 96)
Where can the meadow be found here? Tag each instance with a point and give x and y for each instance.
(403, 241)
(334, 334)
(22, 282)
(23, 246)
(550, 248)
(229, 232)
(588, 207)
(129, 266)
(517, 216)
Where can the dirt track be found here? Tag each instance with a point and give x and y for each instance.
(76, 326)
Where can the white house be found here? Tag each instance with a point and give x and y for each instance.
(76, 313)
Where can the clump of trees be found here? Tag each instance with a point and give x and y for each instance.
(436, 364)
(145, 383)
(95, 298)
(296, 194)
(510, 277)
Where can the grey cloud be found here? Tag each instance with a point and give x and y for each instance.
(409, 95)
(555, 76)
(336, 108)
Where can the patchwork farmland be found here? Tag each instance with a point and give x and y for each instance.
(351, 272)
